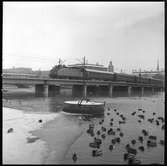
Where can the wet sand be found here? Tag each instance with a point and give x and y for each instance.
(47, 141)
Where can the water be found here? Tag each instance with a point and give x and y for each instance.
(131, 129)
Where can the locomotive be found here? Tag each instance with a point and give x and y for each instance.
(91, 74)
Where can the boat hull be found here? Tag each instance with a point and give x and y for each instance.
(83, 109)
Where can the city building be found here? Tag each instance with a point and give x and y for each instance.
(110, 67)
(158, 74)
(17, 70)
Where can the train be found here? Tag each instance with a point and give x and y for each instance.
(91, 74)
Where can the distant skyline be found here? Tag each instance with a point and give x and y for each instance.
(37, 34)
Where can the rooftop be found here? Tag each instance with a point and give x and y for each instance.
(88, 65)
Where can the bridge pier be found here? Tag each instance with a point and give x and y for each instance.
(84, 91)
(46, 90)
(111, 91)
(153, 90)
(142, 91)
(129, 91)
(53, 90)
(41, 90)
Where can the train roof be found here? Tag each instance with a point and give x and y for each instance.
(87, 65)
(98, 71)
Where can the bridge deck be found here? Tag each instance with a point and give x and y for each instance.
(59, 82)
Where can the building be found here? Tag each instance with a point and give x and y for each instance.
(110, 67)
(23, 70)
(159, 74)
(18, 70)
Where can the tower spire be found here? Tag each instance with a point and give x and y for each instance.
(158, 65)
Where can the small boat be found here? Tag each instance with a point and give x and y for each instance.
(84, 106)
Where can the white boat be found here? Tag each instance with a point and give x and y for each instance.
(84, 106)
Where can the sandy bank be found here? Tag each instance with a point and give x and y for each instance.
(54, 136)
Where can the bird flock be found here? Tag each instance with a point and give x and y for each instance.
(113, 130)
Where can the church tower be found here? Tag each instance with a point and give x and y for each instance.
(110, 67)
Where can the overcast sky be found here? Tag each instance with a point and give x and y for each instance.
(37, 34)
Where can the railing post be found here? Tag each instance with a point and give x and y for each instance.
(46, 90)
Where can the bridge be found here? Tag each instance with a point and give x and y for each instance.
(49, 87)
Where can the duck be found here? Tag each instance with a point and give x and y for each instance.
(103, 136)
(163, 127)
(157, 122)
(139, 121)
(134, 161)
(121, 134)
(10, 130)
(154, 113)
(121, 122)
(111, 123)
(113, 141)
(94, 145)
(140, 138)
(74, 157)
(144, 132)
(98, 132)
(133, 113)
(131, 150)
(162, 142)
(141, 116)
(133, 141)
(151, 120)
(152, 137)
(96, 153)
(111, 132)
(118, 129)
(118, 140)
(111, 119)
(111, 147)
(98, 140)
(103, 128)
(141, 148)
(151, 143)
(125, 156)
(40, 120)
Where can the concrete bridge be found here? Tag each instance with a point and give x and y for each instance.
(51, 87)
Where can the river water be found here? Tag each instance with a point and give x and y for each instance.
(131, 129)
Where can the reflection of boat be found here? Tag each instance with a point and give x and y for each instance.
(84, 106)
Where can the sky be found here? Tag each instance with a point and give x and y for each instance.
(37, 34)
